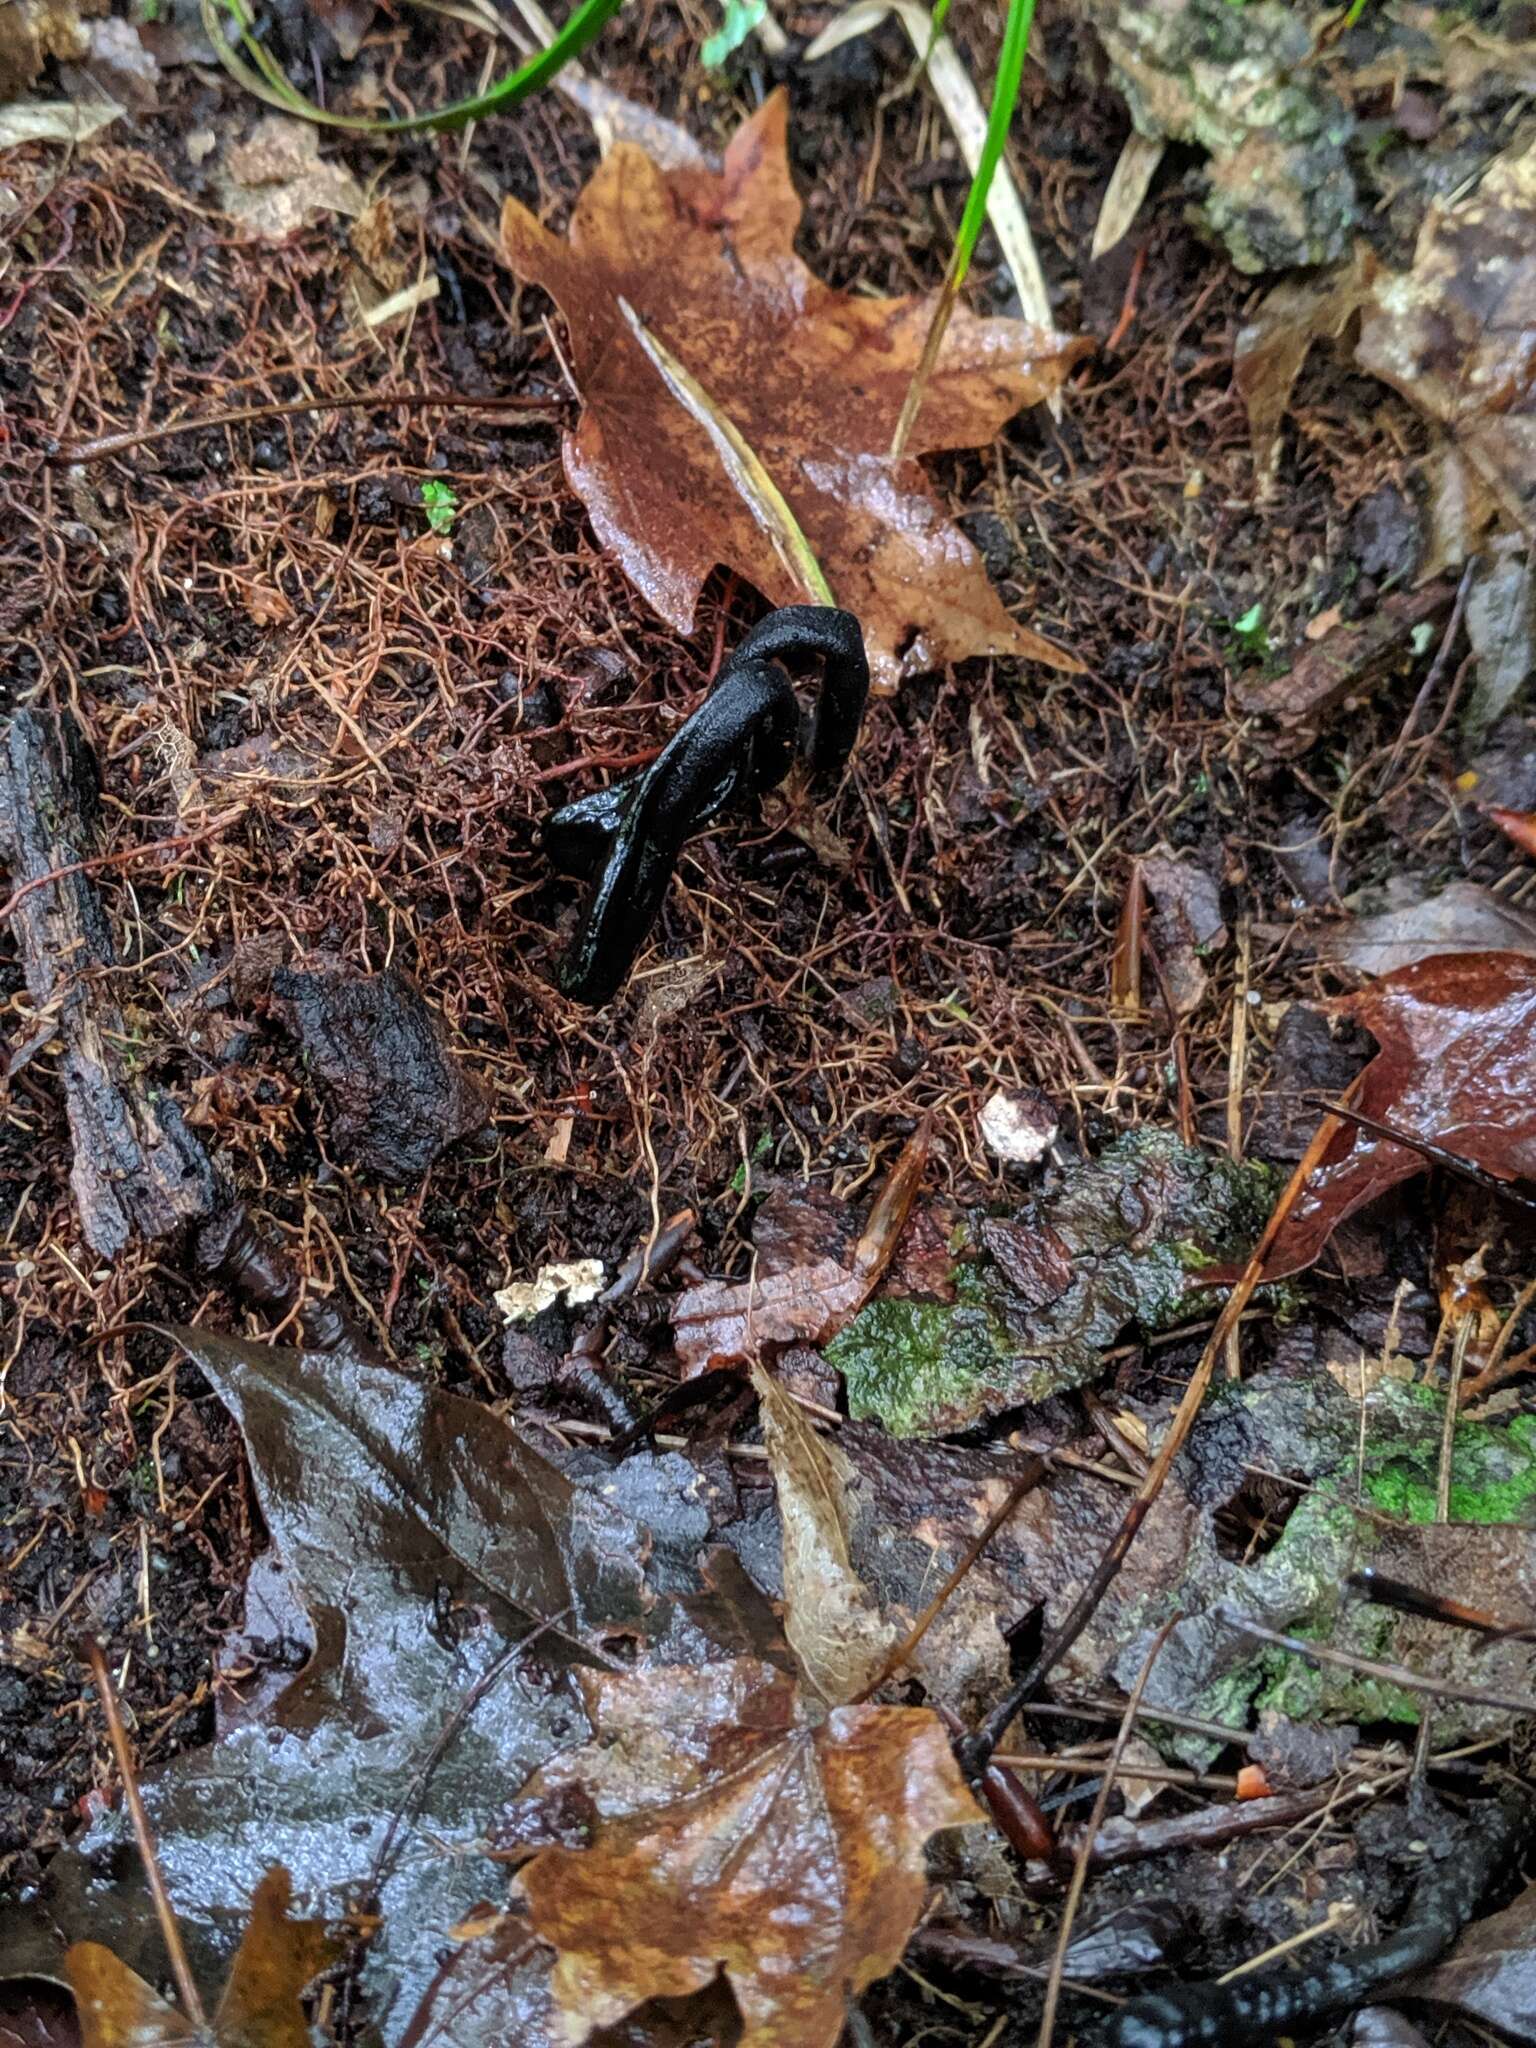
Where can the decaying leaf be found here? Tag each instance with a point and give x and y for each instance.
(1454, 335)
(1414, 924)
(808, 1284)
(833, 1625)
(1490, 1975)
(729, 1834)
(1346, 662)
(425, 1538)
(812, 379)
(277, 180)
(1458, 1050)
(260, 2008)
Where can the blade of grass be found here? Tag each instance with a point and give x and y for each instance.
(951, 84)
(267, 82)
(1005, 93)
(739, 461)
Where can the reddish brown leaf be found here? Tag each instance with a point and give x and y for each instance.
(729, 1834)
(1457, 1068)
(809, 1283)
(812, 378)
(260, 2008)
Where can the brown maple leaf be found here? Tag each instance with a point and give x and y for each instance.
(1457, 1069)
(813, 380)
(260, 2008)
(730, 1834)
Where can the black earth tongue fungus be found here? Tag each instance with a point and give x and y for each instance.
(741, 742)
(1253, 2011)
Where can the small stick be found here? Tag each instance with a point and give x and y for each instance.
(1338, 1913)
(170, 1933)
(1090, 1833)
(1027, 1480)
(249, 415)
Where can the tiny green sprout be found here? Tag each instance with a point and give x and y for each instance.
(738, 19)
(441, 504)
(1422, 637)
(148, 10)
(1250, 631)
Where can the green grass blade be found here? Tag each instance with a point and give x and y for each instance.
(1005, 95)
(267, 82)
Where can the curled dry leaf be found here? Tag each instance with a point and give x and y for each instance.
(1458, 1050)
(833, 1624)
(813, 379)
(731, 1834)
(260, 2008)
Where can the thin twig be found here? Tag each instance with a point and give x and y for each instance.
(249, 415)
(170, 1933)
(1025, 1483)
(1090, 1834)
(1391, 1674)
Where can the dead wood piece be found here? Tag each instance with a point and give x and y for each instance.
(138, 1171)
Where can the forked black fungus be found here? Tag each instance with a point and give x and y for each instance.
(740, 742)
(1253, 2011)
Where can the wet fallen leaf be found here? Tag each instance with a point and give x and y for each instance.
(1457, 1034)
(812, 378)
(729, 1834)
(424, 1538)
(810, 1280)
(1490, 1975)
(833, 1625)
(1454, 334)
(1273, 346)
(260, 2008)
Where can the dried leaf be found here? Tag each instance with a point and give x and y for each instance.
(1458, 1050)
(1464, 918)
(260, 2008)
(1490, 1975)
(277, 180)
(1129, 183)
(1273, 346)
(812, 379)
(1348, 660)
(809, 1285)
(833, 1624)
(1188, 925)
(1454, 335)
(730, 1834)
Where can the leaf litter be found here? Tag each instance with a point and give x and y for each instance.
(856, 1493)
(816, 378)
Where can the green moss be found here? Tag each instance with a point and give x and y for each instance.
(914, 1365)
(1493, 1472)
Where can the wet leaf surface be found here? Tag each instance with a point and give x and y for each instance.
(425, 1538)
(833, 1625)
(1458, 1048)
(812, 378)
(1490, 1975)
(729, 1833)
(260, 2007)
